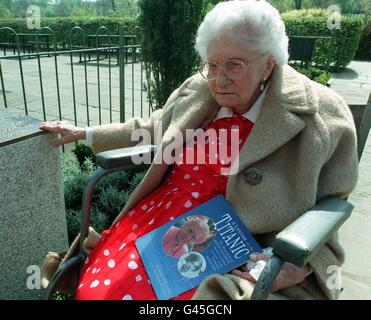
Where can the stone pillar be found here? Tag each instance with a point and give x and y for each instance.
(32, 211)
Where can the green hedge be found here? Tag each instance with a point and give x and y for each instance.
(62, 25)
(364, 48)
(313, 22)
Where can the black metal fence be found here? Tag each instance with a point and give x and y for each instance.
(99, 79)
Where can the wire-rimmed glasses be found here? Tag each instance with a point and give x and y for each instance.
(232, 69)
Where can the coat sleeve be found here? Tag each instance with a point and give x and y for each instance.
(119, 135)
(338, 177)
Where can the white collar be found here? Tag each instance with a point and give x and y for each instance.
(251, 115)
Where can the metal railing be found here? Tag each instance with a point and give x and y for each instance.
(101, 72)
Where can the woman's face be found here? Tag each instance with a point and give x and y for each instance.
(238, 94)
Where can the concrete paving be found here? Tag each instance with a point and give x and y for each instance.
(354, 84)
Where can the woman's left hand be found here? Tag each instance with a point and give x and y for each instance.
(91, 240)
(289, 275)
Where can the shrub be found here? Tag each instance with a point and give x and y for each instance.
(313, 22)
(98, 220)
(62, 296)
(82, 152)
(110, 196)
(111, 200)
(119, 179)
(74, 179)
(70, 166)
(319, 75)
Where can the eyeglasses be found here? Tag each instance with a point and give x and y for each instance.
(232, 69)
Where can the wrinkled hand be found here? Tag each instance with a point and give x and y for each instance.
(289, 275)
(91, 240)
(67, 132)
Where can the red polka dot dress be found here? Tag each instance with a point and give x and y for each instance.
(114, 269)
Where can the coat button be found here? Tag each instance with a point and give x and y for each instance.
(253, 176)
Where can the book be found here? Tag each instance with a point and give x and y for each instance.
(207, 239)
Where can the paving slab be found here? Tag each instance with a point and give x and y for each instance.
(354, 84)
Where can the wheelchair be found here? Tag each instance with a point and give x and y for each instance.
(298, 243)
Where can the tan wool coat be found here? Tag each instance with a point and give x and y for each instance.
(303, 144)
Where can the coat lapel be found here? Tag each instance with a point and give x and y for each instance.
(194, 109)
(278, 121)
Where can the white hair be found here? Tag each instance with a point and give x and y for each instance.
(253, 22)
(202, 224)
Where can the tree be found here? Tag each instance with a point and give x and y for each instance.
(169, 28)
(113, 4)
(6, 4)
(104, 7)
(19, 8)
(5, 12)
(63, 8)
(129, 8)
(5, 9)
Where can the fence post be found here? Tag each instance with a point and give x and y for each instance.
(122, 73)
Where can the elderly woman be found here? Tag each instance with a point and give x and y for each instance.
(297, 145)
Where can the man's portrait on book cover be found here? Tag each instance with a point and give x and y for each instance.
(193, 233)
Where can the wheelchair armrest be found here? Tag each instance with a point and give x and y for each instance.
(303, 238)
(124, 157)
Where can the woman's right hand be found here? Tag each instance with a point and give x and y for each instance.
(66, 132)
(289, 275)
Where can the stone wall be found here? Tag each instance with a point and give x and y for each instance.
(32, 212)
